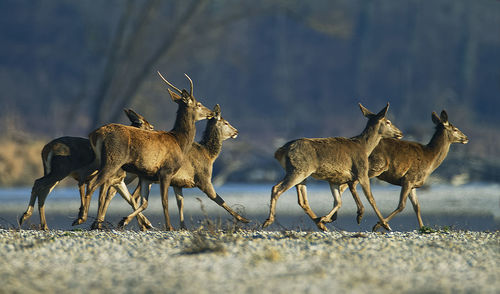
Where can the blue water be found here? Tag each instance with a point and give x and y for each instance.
(472, 206)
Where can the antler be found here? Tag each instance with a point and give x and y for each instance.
(172, 86)
(190, 85)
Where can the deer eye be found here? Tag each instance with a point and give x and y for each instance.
(388, 122)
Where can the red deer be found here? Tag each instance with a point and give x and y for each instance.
(68, 156)
(196, 170)
(409, 164)
(335, 160)
(151, 155)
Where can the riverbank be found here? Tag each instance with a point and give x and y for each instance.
(248, 261)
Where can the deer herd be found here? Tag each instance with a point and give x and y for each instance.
(114, 155)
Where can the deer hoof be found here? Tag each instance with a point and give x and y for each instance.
(267, 223)
(170, 228)
(323, 220)
(44, 227)
(122, 223)
(23, 218)
(78, 221)
(96, 226)
(334, 217)
(243, 220)
(378, 225)
(321, 226)
(359, 217)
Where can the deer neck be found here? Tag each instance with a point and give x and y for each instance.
(438, 147)
(211, 140)
(184, 128)
(369, 138)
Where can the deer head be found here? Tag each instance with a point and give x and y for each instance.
(187, 101)
(453, 134)
(385, 127)
(226, 129)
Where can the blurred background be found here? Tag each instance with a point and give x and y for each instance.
(279, 69)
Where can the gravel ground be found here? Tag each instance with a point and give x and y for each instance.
(248, 261)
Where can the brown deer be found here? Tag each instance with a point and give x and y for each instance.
(151, 155)
(196, 170)
(335, 160)
(409, 164)
(68, 156)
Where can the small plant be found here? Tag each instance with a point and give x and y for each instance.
(271, 254)
(201, 243)
(426, 230)
(429, 230)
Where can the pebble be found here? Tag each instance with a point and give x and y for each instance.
(249, 261)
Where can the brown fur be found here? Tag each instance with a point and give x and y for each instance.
(196, 170)
(336, 160)
(68, 156)
(409, 164)
(150, 155)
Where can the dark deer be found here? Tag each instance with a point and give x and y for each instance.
(409, 164)
(151, 155)
(335, 160)
(68, 156)
(196, 170)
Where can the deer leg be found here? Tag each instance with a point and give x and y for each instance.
(106, 193)
(41, 188)
(304, 202)
(288, 182)
(337, 204)
(164, 184)
(29, 211)
(97, 181)
(416, 206)
(84, 207)
(143, 221)
(405, 190)
(342, 188)
(365, 184)
(359, 204)
(180, 205)
(41, 205)
(208, 189)
(145, 184)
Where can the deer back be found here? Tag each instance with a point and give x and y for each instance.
(66, 154)
(392, 159)
(139, 151)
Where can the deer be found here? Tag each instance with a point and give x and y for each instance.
(336, 160)
(196, 170)
(409, 164)
(73, 157)
(151, 155)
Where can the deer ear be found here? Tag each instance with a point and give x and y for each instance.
(132, 116)
(435, 118)
(383, 112)
(175, 97)
(217, 111)
(365, 111)
(444, 117)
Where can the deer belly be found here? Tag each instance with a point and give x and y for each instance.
(334, 175)
(184, 178)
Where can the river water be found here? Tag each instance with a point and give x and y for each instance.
(468, 207)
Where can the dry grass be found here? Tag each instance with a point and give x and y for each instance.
(20, 161)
